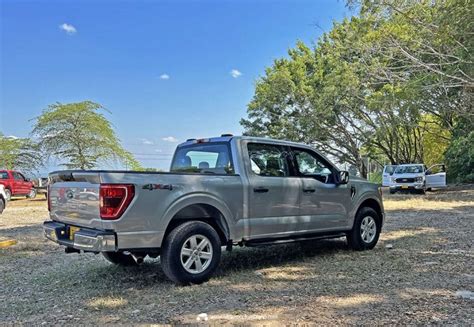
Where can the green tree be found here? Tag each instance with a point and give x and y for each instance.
(460, 153)
(19, 153)
(81, 135)
(366, 88)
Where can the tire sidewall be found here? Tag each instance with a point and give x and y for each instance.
(8, 193)
(2, 205)
(32, 194)
(171, 255)
(357, 237)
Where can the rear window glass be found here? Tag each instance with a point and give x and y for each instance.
(211, 158)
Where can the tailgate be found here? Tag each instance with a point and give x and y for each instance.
(74, 198)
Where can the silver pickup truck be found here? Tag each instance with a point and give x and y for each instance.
(220, 192)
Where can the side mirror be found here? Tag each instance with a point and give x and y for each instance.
(343, 177)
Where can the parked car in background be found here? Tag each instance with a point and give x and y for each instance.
(16, 184)
(417, 177)
(387, 174)
(222, 191)
(3, 199)
(41, 185)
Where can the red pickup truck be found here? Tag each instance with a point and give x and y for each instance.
(16, 184)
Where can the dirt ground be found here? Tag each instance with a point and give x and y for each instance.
(413, 282)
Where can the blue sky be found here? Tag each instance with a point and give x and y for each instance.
(167, 70)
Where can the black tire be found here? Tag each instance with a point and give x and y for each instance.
(120, 259)
(8, 193)
(354, 237)
(392, 191)
(32, 194)
(171, 256)
(2, 205)
(429, 189)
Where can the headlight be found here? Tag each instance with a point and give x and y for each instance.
(419, 179)
(393, 179)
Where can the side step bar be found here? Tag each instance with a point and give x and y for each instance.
(270, 241)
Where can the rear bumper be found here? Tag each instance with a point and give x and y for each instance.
(85, 239)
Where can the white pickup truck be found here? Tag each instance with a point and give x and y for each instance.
(221, 191)
(414, 177)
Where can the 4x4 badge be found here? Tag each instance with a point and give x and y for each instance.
(152, 187)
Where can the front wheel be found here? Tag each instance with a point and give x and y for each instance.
(119, 258)
(366, 231)
(2, 205)
(191, 253)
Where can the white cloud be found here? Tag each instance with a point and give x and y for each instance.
(235, 73)
(13, 137)
(164, 76)
(171, 139)
(68, 28)
(146, 142)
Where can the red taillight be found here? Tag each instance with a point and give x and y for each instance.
(114, 199)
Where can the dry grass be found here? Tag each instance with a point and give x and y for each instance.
(321, 282)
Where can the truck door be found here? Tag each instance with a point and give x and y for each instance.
(273, 193)
(436, 176)
(18, 184)
(387, 174)
(324, 204)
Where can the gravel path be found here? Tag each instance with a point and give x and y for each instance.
(424, 257)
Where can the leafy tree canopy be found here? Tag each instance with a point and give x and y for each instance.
(80, 135)
(391, 84)
(19, 153)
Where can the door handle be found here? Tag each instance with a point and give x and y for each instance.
(309, 190)
(260, 189)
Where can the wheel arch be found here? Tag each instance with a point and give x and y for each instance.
(212, 212)
(374, 204)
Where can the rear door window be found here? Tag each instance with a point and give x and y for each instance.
(3, 175)
(268, 160)
(18, 176)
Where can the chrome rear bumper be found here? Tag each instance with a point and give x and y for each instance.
(85, 239)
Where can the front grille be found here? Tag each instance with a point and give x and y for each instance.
(405, 180)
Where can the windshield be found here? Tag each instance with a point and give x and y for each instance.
(209, 158)
(389, 169)
(412, 169)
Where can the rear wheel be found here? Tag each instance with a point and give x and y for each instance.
(119, 258)
(32, 194)
(8, 194)
(2, 205)
(392, 191)
(191, 253)
(366, 231)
